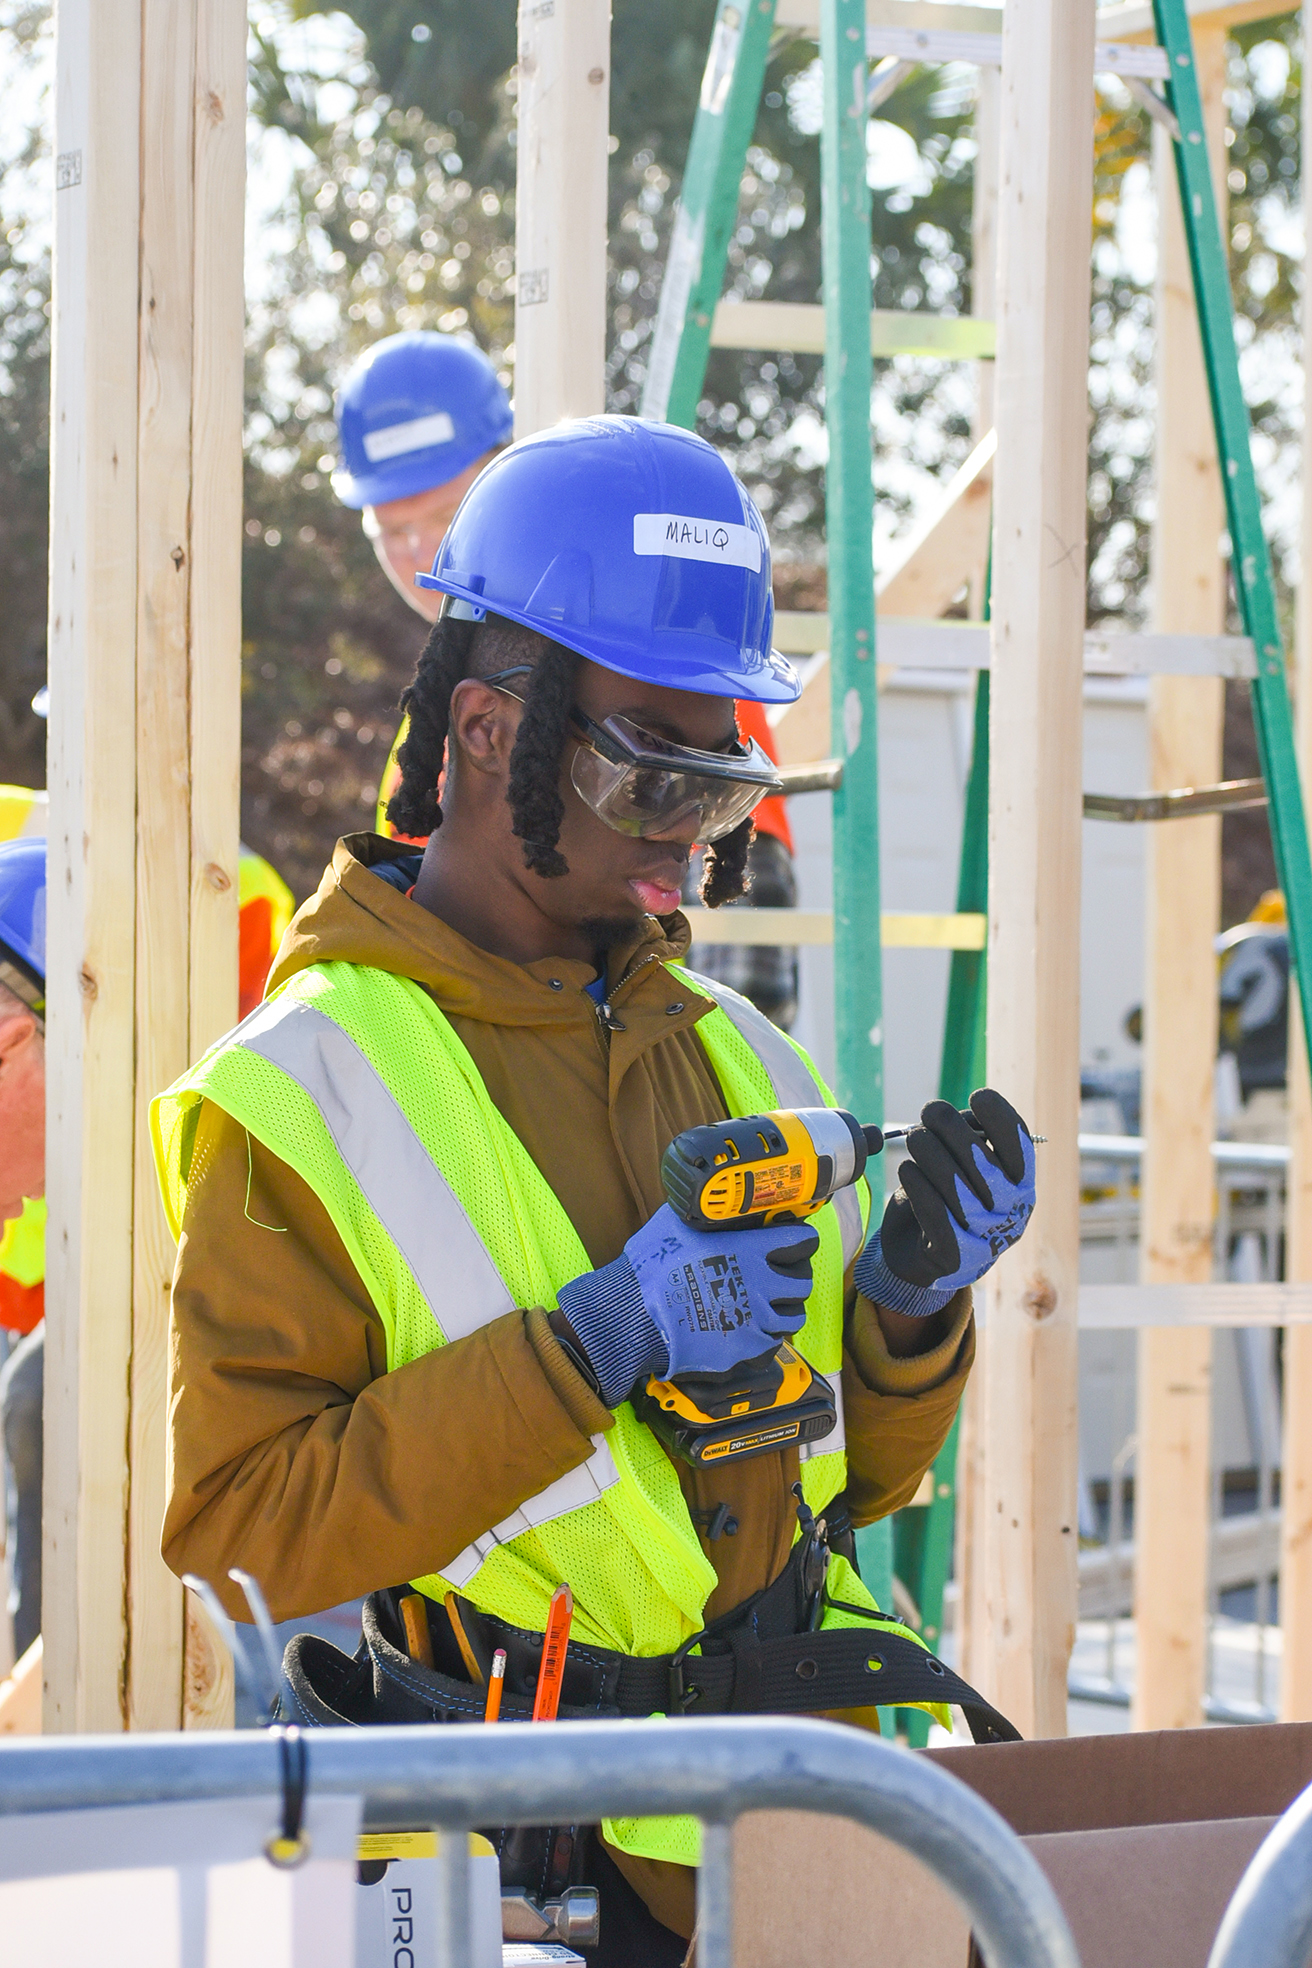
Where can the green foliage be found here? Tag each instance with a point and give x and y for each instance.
(24, 499)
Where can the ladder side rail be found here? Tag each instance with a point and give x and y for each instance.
(707, 208)
(1250, 556)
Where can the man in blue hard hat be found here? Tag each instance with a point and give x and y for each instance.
(426, 1267)
(418, 416)
(22, 1177)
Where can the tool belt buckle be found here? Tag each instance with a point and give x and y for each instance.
(682, 1696)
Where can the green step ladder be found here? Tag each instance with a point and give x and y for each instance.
(722, 131)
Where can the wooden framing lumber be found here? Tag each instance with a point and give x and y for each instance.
(1296, 1429)
(800, 328)
(937, 558)
(560, 212)
(20, 1695)
(144, 755)
(1173, 1465)
(968, 1536)
(1041, 382)
(899, 931)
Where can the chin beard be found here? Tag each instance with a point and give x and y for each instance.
(605, 932)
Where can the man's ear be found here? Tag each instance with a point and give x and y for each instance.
(17, 1031)
(483, 723)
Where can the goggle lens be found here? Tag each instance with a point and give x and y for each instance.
(667, 802)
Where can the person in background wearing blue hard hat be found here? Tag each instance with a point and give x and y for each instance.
(22, 1178)
(418, 416)
(425, 1258)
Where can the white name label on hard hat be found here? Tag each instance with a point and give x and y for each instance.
(680, 537)
(396, 439)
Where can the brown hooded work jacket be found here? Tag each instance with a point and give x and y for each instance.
(296, 1455)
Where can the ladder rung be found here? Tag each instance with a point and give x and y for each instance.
(920, 44)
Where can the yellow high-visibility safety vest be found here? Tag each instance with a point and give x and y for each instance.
(356, 1080)
(24, 814)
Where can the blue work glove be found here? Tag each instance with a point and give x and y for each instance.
(966, 1196)
(680, 1301)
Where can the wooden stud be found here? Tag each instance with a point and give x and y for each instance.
(1173, 1464)
(1029, 1367)
(560, 212)
(145, 669)
(968, 1523)
(1296, 1431)
(92, 853)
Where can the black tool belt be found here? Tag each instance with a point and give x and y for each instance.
(759, 1659)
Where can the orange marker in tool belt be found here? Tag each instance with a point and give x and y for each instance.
(555, 1645)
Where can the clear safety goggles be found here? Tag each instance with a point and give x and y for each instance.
(640, 784)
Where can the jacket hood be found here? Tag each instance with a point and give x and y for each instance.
(356, 917)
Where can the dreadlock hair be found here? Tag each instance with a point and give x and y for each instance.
(724, 870)
(456, 650)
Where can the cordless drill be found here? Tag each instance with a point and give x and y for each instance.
(762, 1169)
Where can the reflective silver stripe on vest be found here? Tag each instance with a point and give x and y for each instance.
(836, 1442)
(582, 1486)
(792, 1083)
(399, 1180)
(420, 1211)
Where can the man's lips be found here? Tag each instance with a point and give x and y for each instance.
(658, 896)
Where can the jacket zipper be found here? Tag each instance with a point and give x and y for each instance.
(607, 1019)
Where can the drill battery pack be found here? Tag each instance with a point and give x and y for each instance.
(769, 1405)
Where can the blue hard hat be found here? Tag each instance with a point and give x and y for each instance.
(23, 919)
(631, 542)
(414, 412)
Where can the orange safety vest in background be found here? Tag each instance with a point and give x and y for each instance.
(267, 907)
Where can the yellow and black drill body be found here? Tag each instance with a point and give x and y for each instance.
(751, 1172)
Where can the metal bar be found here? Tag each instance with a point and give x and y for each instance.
(585, 1771)
(1231, 796)
(1268, 1923)
(708, 207)
(453, 1900)
(715, 1897)
(1250, 557)
(824, 777)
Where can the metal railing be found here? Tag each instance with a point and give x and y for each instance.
(1268, 1923)
(458, 1777)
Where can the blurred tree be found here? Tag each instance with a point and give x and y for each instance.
(24, 492)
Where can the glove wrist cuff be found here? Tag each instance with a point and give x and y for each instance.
(881, 1286)
(622, 1342)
